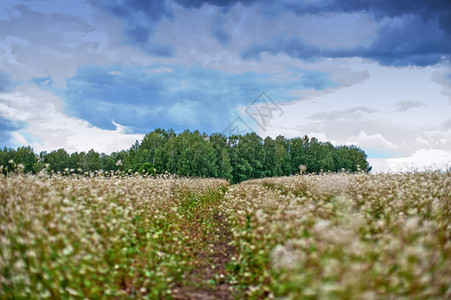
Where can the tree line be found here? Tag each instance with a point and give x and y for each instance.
(236, 158)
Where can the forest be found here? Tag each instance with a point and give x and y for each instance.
(235, 158)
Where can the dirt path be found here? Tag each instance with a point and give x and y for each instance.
(209, 278)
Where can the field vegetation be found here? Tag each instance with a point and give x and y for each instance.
(326, 236)
(126, 236)
(343, 236)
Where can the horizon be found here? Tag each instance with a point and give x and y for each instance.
(99, 75)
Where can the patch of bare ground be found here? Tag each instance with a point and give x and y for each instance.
(208, 281)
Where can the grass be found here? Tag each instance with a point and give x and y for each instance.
(328, 236)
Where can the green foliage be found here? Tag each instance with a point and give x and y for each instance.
(326, 236)
(342, 236)
(119, 237)
(57, 160)
(236, 158)
(10, 159)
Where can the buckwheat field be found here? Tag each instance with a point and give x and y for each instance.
(328, 236)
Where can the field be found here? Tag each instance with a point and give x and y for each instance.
(328, 236)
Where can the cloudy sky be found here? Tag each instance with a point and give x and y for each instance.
(82, 74)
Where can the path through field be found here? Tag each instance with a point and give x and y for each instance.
(208, 280)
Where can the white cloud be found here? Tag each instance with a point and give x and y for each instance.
(114, 72)
(19, 138)
(379, 165)
(358, 112)
(119, 128)
(376, 140)
(422, 160)
(61, 42)
(247, 25)
(320, 136)
(405, 105)
(51, 128)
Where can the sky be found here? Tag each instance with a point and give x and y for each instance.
(100, 74)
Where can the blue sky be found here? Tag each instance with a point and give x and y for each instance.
(82, 74)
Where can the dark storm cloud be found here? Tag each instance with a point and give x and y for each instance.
(289, 44)
(410, 32)
(219, 3)
(432, 9)
(380, 9)
(407, 40)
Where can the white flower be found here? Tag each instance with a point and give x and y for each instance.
(283, 257)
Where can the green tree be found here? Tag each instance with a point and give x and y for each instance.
(236, 158)
(221, 151)
(26, 157)
(91, 161)
(248, 154)
(7, 159)
(57, 159)
(277, 159)
(107, 162)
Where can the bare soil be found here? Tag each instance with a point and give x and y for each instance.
(209, 280)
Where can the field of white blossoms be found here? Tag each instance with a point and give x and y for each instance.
(328, 236)
(343, 236)
(103, 237)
